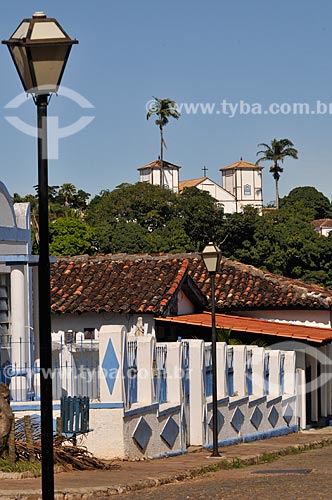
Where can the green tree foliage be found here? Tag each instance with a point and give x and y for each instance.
(128, 237)
(307, 198)
(173, 223)
(71, 236)
(201, 216)
(172, 238)
(276, 152)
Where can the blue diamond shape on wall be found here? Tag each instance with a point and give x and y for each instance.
(110, 366)
(142, 433)
(256, 417)
(288, 414)
(273, 417)
(170, 432)
(220, 421)
(237, 420)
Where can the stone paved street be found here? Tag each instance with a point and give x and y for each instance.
(242, 484)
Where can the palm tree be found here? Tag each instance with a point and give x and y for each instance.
(277, 152)
(164, 109)
(68, 192)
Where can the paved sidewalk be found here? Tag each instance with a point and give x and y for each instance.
(131, 476)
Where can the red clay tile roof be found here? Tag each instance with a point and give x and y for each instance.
(190, 183)
(253, 325)
(157, 164)
(122, 283)
(241, 165)
(242, 287)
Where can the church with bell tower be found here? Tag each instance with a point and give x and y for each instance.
(241, 183)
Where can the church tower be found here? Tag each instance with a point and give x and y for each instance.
(244, 181)
(166, 177)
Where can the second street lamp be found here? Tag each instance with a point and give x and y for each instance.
(40, 49)
(211, 256)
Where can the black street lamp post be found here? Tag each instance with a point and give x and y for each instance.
(40, 49)
(211, 257)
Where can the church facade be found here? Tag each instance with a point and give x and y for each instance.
(241, 183)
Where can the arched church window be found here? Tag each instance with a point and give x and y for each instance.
(247, 190)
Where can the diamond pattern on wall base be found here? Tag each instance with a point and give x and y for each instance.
(237, 420)
(256, 418)
(170, 432)
(273, 417)
(220, 421)
(288, 414)
(142, 433)
(110, 366)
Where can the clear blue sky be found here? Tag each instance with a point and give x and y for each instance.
(190, 51)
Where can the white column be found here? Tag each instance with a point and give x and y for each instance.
(145, 376)
(239, 363)
(197, 395)
(323, 380)
(35, 309)
(221, 370)
(301, 397)
(258, 354)
(19, 345)
(274, 384)
(314, 389)
(301, 388)
(289, 379)
(329, 382)
(112, 340)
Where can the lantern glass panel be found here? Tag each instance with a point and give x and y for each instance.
(48, 63)
(22, 30)
(45, 31)
(211, 262)
(19, 56)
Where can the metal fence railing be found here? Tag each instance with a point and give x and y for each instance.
(132, 372)
(160, 372)
(75, 369)
(208, 369)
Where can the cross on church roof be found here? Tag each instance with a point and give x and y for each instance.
(205, 170)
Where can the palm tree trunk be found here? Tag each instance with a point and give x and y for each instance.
(277, 193)
(161, 157)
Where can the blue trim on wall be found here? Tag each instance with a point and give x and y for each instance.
(171, 454)
(291, 399)
(257, 401)
(93, 406)
(167, 411)
(106, 406)
(141, 409)
(240, 401)
(273, 401)
(255, 437)
(269, 434)
(220, 402)
(31, 407)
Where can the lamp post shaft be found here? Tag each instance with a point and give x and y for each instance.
(45, 342)
(215, 452)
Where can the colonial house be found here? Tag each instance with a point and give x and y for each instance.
(88, 292)
(322, 226)
(241, 183)
(165, 296)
